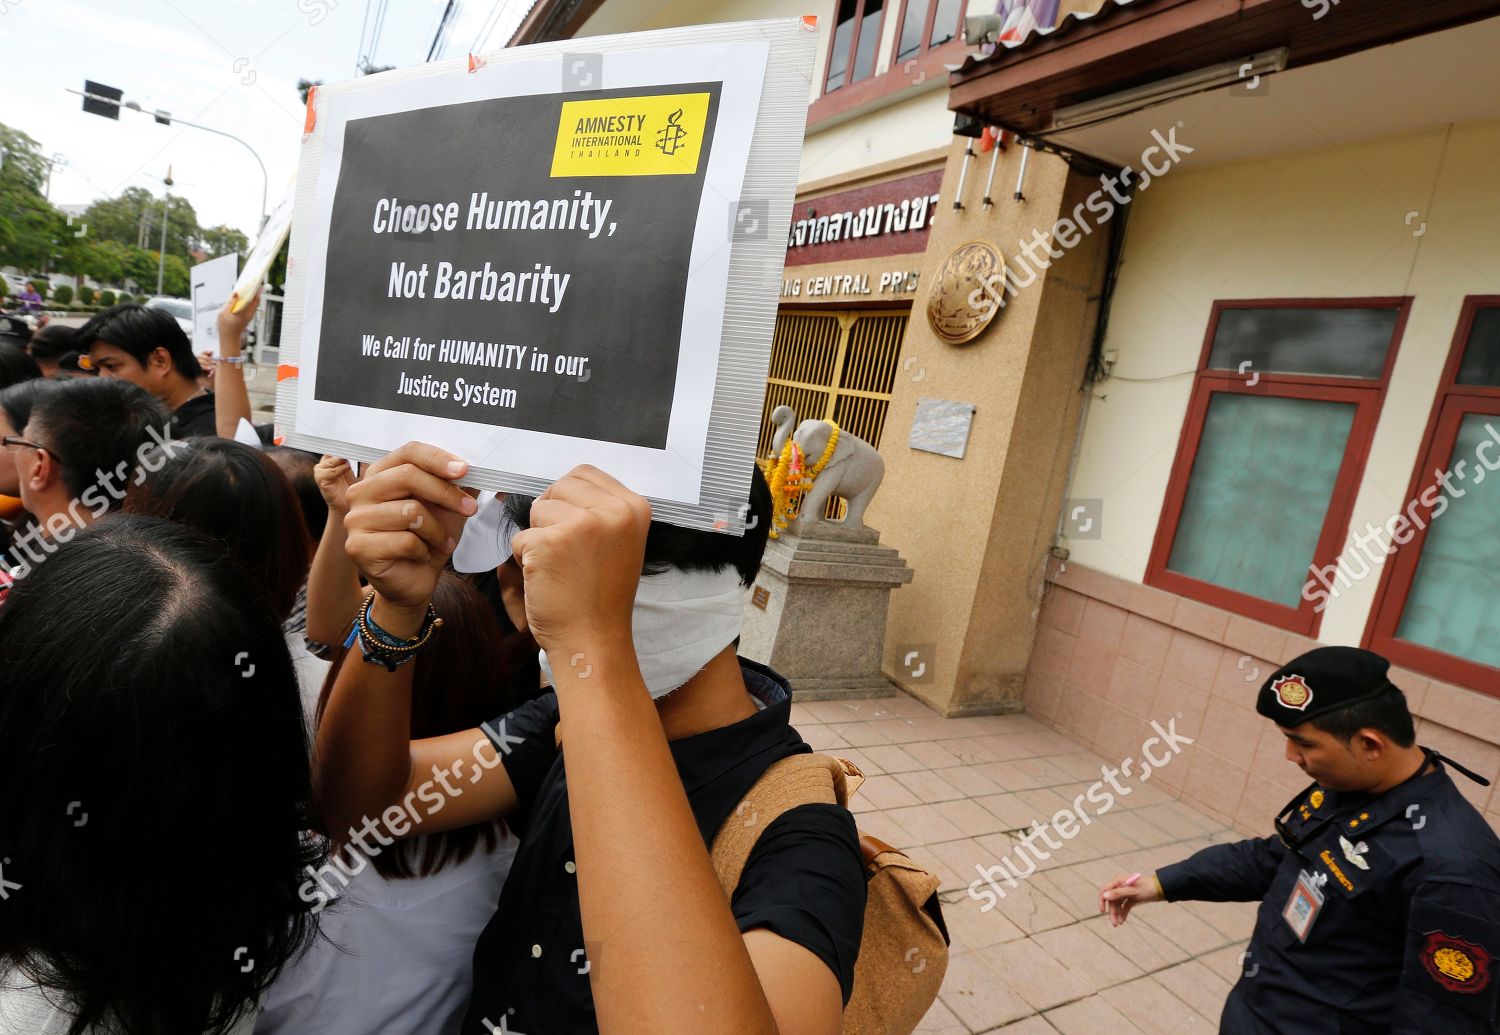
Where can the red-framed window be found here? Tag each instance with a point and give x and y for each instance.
(926, 24)
(928, 37)
(855, 45)
(1278, 428)
(1437, 609)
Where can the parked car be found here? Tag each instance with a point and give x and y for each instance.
(180, 309)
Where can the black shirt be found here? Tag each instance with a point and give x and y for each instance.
(1407, 939)
(194, 417)
(804, 880)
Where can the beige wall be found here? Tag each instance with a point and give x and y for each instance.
(976, 530)
(1315, 224)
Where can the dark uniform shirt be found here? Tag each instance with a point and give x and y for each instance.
(194, 417)
(1408, 930)
(804, 880)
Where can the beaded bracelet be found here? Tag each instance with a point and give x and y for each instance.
(380, 647)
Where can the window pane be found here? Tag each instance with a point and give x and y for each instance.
(945, 23)
(912, 24)
(869, 41)
(1259, 493)
(1481, 362)
(838, 54)
(1454, 603)
(1331, 342)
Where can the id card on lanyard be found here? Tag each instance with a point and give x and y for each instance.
(1304, 904)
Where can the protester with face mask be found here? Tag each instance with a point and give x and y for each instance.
(613, 918)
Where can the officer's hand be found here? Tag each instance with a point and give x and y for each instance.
(1118, 896)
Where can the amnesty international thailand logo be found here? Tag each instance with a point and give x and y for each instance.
(653, 135)
(672, 134)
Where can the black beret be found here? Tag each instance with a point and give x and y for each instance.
(1321, 681)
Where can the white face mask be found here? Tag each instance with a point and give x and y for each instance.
(681, 621)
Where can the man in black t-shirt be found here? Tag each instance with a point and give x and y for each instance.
(147, 347)
(612, 918)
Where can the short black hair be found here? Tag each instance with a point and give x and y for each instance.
(93, 425)
(53, 342)
(237, 495)
(689, 549)
(166, 730)
(140, 331)
(16, 366)
(17, 400)
(1386, 712)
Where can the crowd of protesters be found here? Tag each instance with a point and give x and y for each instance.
(269, 763)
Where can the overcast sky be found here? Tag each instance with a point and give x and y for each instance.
(229, 64)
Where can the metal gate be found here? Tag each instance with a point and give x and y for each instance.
(834, 365)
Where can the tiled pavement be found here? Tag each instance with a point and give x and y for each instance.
(954, 793)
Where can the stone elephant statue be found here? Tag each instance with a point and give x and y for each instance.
(854, 471)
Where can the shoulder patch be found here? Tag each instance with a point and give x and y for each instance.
(1457, 965)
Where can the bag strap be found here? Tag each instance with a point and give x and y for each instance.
(792, 781)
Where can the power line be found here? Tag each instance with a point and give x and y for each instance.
(363, 29)
(377, 31)
(501, 8)
(437, 37)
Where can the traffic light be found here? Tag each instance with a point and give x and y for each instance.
(94, 101)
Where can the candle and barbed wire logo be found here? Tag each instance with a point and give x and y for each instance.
(671, 137)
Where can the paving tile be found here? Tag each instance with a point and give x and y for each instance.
(1156, 1011)
(823, 738)
(1028, 1026)
(886, 792)
(939, 1020)
(1082, 952)
(1184, 929)
(925, 824)
(1066, 886)
(858, 734)
(971, 780)
(970, 817)
(977, 997)
(1034, 974)
(973, 926)
(929, 787)
(1010, 810)
(891, 758)
(931, 754)
(1228, 963)
(861, 758)
(1197, 986)
(1091, 1016)
(1142, 945)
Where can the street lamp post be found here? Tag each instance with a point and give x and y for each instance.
(162, 117)
(161, 262)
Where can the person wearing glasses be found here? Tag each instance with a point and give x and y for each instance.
(1379, 893)
(79, 450)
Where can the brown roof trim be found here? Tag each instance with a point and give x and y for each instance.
(1127, 44)
(550, 20)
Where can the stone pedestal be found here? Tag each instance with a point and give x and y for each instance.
(817, 611)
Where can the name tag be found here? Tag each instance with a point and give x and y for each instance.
(1303, 905)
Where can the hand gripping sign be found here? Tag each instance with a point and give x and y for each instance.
(536, 271)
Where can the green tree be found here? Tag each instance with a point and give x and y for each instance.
(29, 227)
(62, 294)
(86, 295)
(221, 240)
(106, 298)
(134, 219)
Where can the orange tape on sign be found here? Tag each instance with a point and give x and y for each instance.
(312, 115)
(285, 371)
(810, 22)
(476, 62)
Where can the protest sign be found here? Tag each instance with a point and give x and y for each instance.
(552, 255)
(213, 282)
(272, 237)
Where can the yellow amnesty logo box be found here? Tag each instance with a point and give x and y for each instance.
(658, 135)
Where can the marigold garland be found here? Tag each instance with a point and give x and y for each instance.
(790, 478)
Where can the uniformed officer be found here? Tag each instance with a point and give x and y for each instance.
(1380, 893)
